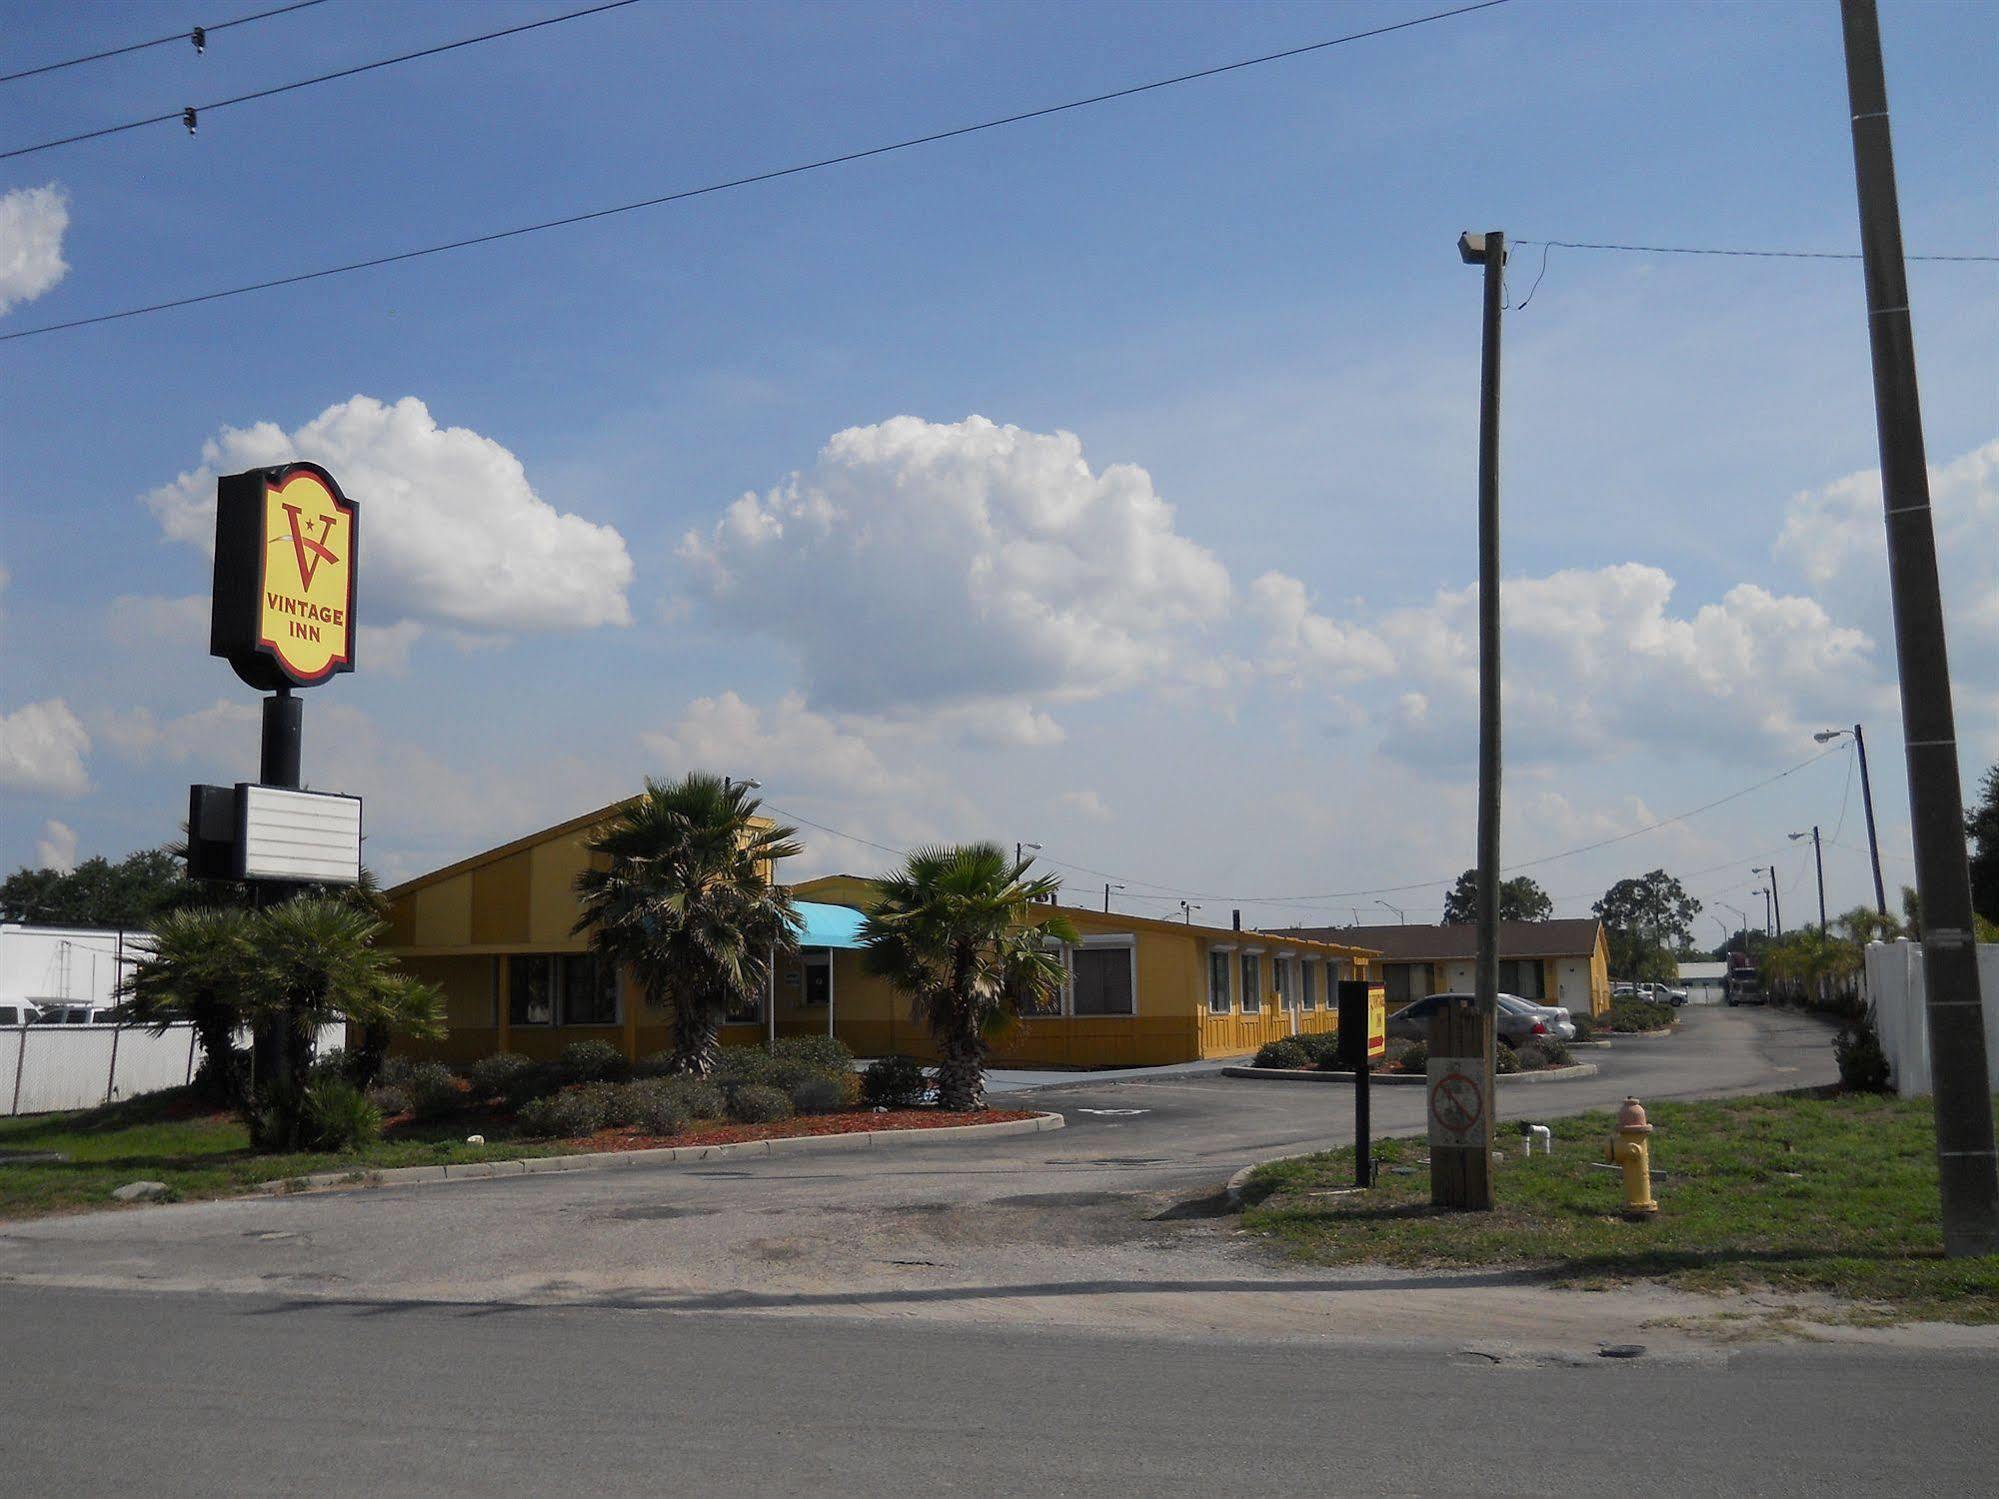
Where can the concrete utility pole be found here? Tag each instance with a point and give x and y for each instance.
(1462, 1108)
(1967, 1165)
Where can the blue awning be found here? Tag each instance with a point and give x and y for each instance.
(828, 926)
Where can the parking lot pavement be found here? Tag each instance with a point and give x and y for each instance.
(1118, 1203)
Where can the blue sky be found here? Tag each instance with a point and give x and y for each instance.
(1213, 642)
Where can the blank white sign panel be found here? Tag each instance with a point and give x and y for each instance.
(308, 836)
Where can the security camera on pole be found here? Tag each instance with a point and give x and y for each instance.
(282, 615)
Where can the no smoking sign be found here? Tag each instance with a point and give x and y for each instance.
(1460, 1114)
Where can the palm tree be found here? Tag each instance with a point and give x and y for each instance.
(955, 931)
(686, 902)
(196, 973)
(314, 962)
(1818, 965)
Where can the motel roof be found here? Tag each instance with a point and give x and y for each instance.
(1418, 943)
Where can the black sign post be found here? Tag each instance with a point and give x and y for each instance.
(1353, 1057)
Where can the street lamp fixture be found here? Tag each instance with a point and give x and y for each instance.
(1400, 914)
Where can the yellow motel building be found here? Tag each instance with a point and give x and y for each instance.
(495, 933)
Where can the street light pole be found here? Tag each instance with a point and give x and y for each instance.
(1818, 858)
(1769, 872)
(1967, 1160)
(1825, 736)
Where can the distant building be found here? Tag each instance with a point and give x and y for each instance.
(1550, 962)
(1704, 981)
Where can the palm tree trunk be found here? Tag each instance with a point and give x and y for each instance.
(961, 1071)
(696, 1038)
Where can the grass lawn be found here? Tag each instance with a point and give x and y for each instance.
(1836, 1195)
(167, 1137)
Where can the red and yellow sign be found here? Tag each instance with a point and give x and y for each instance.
(283, 610)
(1377, 1020)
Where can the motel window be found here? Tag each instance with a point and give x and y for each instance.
(561, 989)
(1218, 982)
(588, 988)
(1280, 979)
(1521, 976)
(1308, 998)
(1101, 980)
(530, 990)
(1252, 984)
(1398, 979)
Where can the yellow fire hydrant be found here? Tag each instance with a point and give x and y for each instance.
(1632, 1149)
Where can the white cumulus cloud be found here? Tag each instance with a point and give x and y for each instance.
(1837, 538)
(452, 532)
(1596, 662)
(925, 564)
(41, 750)
(56, 848)
(33, 221)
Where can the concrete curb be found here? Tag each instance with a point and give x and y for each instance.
(666, 1155)
(1399, 1079)
(1646, 1035)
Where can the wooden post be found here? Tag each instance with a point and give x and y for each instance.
(1461, 1159)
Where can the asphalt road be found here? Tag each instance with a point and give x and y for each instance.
(223, 1395)
(1066, 1313)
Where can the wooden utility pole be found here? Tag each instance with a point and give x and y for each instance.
(1461, 1091)
(1967, 1166)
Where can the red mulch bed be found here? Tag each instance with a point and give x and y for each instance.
(853, 1122)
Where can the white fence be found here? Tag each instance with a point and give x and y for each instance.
(1895, 988)
(48, 1067)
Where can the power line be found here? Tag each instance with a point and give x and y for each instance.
(1577, 244)
(197, 35)
(191, 115)
(1338, 895)
(748, 181)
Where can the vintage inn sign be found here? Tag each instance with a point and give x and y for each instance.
(283, 611)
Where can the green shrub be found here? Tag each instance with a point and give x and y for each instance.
(1585, 1024)
(758, 1103)
(654, 1106)
(592, 1062)
(336, 1115)
(654, 1064)
(698, 1098)
(1323, 1047)
(327, 1113)
(1630, 1015)
(606, 1100)
(828, 1053)
(1863, 1064)
(561, 1116)
(1285, 1053)
(1505, 1058)
(893, 1083)
(395, 1072)
(499, 1075)
(819, 1095)
(1415, 1057)
(1543, 1052)
(389, 1101)
(741, 1066)
(431, 1089)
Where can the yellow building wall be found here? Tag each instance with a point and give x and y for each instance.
(456, 928)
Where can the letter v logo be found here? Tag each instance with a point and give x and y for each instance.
(303, 543)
